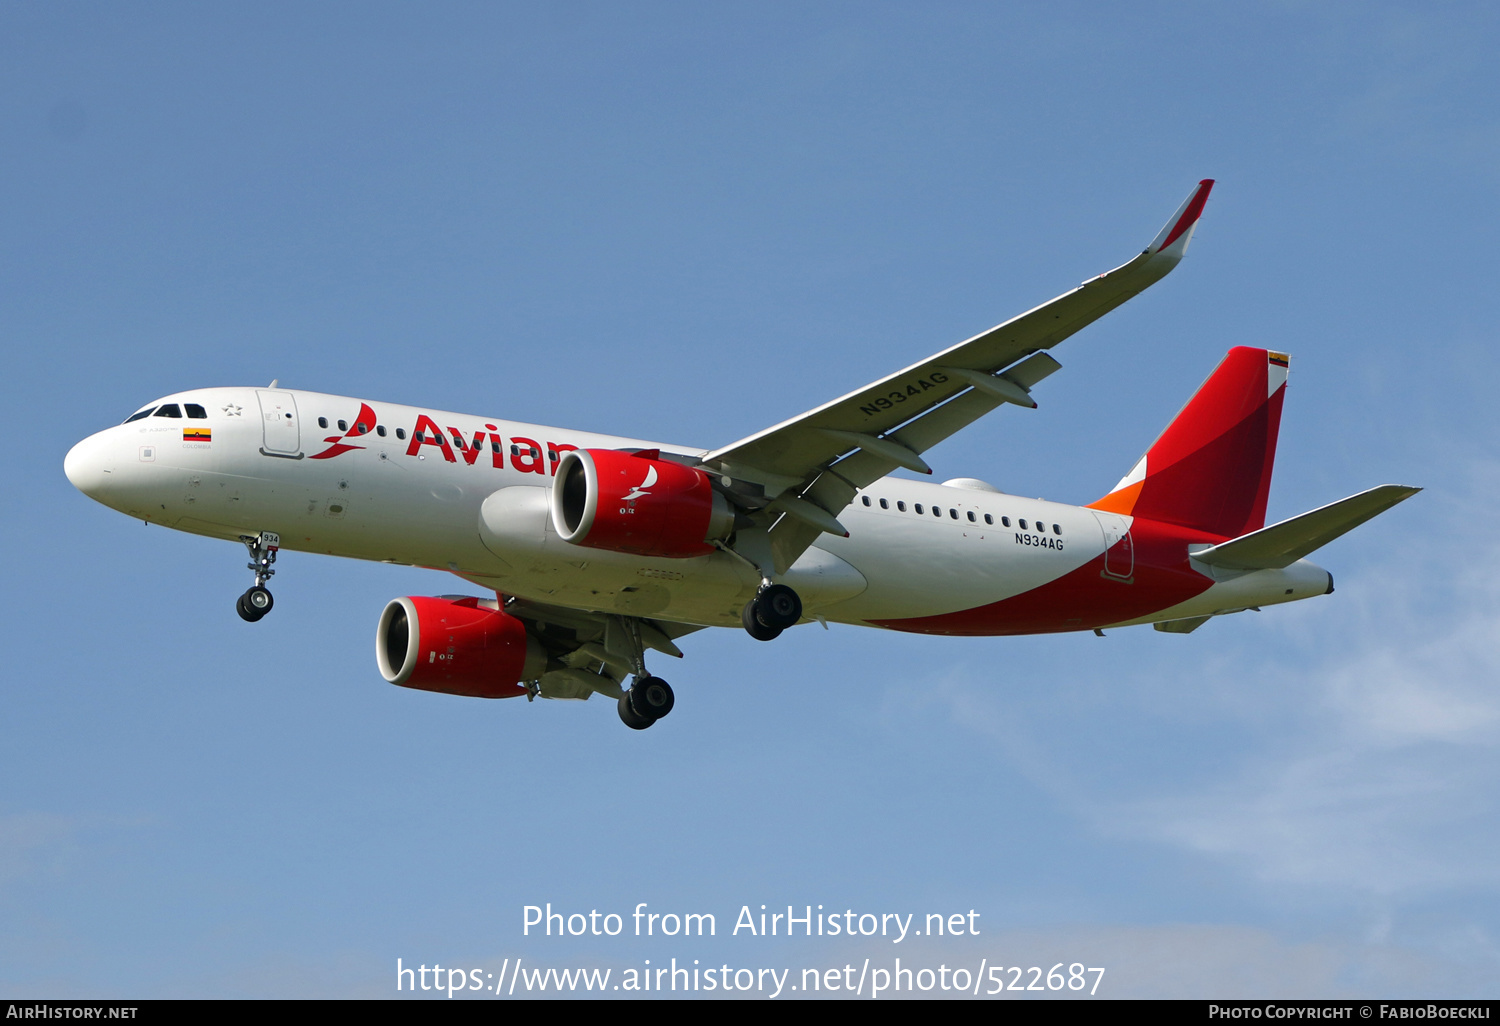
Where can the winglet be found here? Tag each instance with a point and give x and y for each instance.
(1174, 238)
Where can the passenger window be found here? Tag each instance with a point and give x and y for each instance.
(989, 520)
(901, 505)
(972, 518)
(554, 457)
(1056, 529)
(362, 427)
(380, 430)
(343, 425)
(140, 416)
(1041, 527)
(1005, 521)
(1022, 523)
(884, 504)
(419, 437)
(170, 410)
(458, 442)
(952, 513)
(322, 422)
(865, 499)
(918, 507)
(937, 512)
(401, 432)
(195, 412)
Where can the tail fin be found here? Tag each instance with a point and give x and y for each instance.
(1210, 470)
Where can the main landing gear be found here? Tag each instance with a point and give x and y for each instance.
(648, 700)
(773, 609)
(257, 602)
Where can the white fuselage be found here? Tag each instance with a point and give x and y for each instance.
(260, 460)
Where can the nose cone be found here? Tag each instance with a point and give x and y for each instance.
(89, 465)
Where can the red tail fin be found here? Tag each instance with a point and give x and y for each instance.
(1211, 468)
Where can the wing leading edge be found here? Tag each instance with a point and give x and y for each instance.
(811, 466)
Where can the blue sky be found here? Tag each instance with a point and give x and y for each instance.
(689, 222)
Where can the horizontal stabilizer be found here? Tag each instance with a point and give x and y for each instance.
(1283, 544)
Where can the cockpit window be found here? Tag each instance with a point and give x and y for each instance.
(140, 416)
(170, 410)
(195, 412)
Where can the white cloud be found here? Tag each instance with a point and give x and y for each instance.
(1362, 819)
(1385, 772)
(33, 843)
(1361, 750)
(1177, 960)
(30, 841)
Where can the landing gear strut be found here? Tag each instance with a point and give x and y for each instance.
(257, 602)
(773, 609)
(648, 700)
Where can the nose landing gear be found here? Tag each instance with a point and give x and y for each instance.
(257, 602)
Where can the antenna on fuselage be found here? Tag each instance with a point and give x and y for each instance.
(273, 383)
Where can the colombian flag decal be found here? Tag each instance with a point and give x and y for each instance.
(1279, 359)
(197, 435)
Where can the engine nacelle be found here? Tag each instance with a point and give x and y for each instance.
(632, 502)
(459, 646)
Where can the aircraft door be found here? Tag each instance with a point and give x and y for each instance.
(1119, 547)
(278, 412)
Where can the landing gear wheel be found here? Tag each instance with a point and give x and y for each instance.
(753, 626)
(246, 613)
(631, 718)
(778, 607)
(651, 697)
(258, 600)
(254, 604)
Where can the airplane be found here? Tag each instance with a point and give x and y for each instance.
(594, 550)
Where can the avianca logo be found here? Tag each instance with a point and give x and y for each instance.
(643, 489)
(527, 455)
(363, 425)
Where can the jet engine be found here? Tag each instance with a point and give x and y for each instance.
(458, 646)
(634, 502)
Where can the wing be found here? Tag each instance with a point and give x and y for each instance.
(590, 651)
(810, 467)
